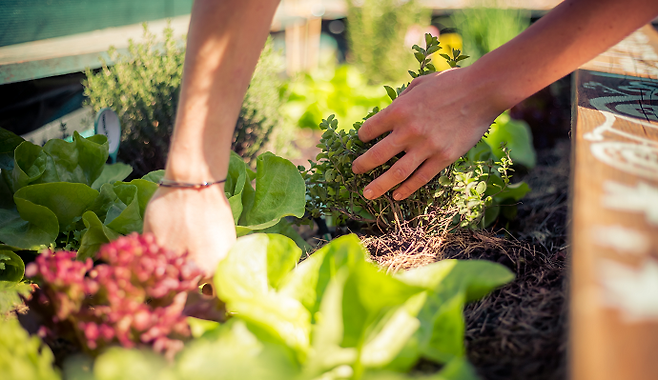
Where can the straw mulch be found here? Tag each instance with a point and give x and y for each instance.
(518, 331)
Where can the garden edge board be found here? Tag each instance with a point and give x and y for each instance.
(614, 213)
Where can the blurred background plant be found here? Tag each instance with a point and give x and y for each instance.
(377, 32)
(488, 26)
(340, 90)
(143, 88)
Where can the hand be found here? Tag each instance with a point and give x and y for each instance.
(197, 221)
(437, 119)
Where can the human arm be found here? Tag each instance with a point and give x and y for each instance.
(224, 42)
(440, 116)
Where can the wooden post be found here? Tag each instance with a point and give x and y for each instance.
(614, 235)
(302, 37)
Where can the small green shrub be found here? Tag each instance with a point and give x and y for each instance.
(459, 196)
(143, 88)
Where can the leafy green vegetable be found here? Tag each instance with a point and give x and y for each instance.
(516, 136)
(112, 173)
(333, 316)
(236, 350)
(246, 281)
(67, 201)
(8, 143)
(28, 228)
(121, 364)
(64, 195)
(96, 235)
(23, 357)
(279, 192)
(11, 266)
(10, 294)
(335, 309)
(451, 284)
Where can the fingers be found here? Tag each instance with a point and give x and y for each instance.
(377, 124)
(427, 171)
(377, 155)
(393, 176)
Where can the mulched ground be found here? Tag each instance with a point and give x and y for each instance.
(520, 330)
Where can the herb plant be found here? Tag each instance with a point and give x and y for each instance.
(143, 87)
(458, 196)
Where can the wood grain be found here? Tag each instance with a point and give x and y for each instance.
(614, 234)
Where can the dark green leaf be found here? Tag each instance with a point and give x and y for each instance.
(28, 228)
(112, 173)
(12, 267)
(30, 163)
(80, 161)
(8, 143)
(280, 191)
(67, 201)
(391, 92)
(95, 235)
(155, 176)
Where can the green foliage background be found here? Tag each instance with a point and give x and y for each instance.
(376, 31)
(487, 27)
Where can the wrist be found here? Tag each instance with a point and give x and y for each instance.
(481, 100)
(195, 167)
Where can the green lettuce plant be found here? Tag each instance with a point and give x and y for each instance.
(459, 196)
(335, 315)
(24, 357)
(64, 196)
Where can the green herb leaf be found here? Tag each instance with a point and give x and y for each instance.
(391, 92)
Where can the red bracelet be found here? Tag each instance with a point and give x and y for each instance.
(185, 185)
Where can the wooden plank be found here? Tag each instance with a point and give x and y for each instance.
(26, 21)
(614, 235)
(635, 56)
(63, 55)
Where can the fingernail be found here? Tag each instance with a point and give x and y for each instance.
(367, 193)
(397, 196)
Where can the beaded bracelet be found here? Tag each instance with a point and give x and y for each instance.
(185, 185)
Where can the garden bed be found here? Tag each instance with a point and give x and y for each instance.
(520, 330)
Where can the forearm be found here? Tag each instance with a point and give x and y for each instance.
(224, 42)
(573, 33)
